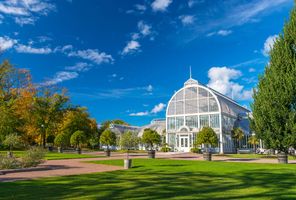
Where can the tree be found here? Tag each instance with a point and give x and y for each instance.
(12, 140)
(151, 138)
(61, 140)
(108, 138)
(274, 106)
(207, 136)
(78, 119)
(253, 140)
(77, 139)
(237, 134)
(129, 140)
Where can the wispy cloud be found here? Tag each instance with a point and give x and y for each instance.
(26, 11)
(160, 5)
(93, 55)
(220, 33)
(187, 19)
(131, 47)
(20, 48)
(156, 109)
(60, 77)
(79, 67)
(6, 43)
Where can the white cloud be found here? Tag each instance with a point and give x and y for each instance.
(131, 47)
(6, 43)
(93, 55)
(60, 77)
(252, 69)
(268, 44)
(26, 11)
(221, 80)
(139, 114)
(81, 66)
(187, 19)
(140, 7)
(24, 20)
(161, 5)
(144, 29)
(158, 108)
(224, 32)
(220, 33)
(32, 50)
(149, 88)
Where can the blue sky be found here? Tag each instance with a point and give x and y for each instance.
(125, 59)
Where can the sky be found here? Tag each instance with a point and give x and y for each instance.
(124, 59)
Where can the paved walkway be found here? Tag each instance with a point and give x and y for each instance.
(79, 166)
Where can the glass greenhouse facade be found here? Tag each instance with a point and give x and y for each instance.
(195, 106)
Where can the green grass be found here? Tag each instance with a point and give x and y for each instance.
(255, 156)
(56, 156)
(165, 179)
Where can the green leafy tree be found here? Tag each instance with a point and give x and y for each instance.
(208, 137)
(128, 141)
(253, 140)
(237, 134)
(77, 139)
(274, 106)
(12, 140)
(61, 140)
(108, 138)
(151, 138)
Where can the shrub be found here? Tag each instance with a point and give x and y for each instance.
(33, 157)
(195, 150)
(9, 162)
(165, 147)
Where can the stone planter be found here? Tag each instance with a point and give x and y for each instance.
(151, 154)
(207, 156)
(107, 152)
(78, 150)
(60, 149)
(127, 163)
(282, 158)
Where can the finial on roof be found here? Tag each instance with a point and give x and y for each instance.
(190, 72)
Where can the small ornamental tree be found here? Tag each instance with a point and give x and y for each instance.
(274, 106)
(128, 141)
(108, 138)
(77, 139)
(237, 134)
(12, 140)
(60, 141)
(253, 140)
(151, 138)
(207, 137)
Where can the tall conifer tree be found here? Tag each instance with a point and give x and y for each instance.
(274, 106)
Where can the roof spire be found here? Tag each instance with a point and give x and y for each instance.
(190, 72)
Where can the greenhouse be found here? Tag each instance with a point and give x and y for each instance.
(195, 106)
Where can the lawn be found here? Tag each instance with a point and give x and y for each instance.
(254, 156)
(56, 156)
(165, 179)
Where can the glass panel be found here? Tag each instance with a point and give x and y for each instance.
(179, 107)
(182, 142)
(192, 121)
(171, 123)
(179, 95)
(204, 120)
(186, 142)
(203, 105)
(202, 93)
(179, 122)
(213, 107)
(191, 93)
(171, 110)
(191, 106)
(214, 121)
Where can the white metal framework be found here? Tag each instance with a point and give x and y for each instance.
(195, 106)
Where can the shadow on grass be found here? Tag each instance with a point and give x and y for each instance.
(161, 179)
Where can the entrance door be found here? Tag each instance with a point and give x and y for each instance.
(184, 143)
